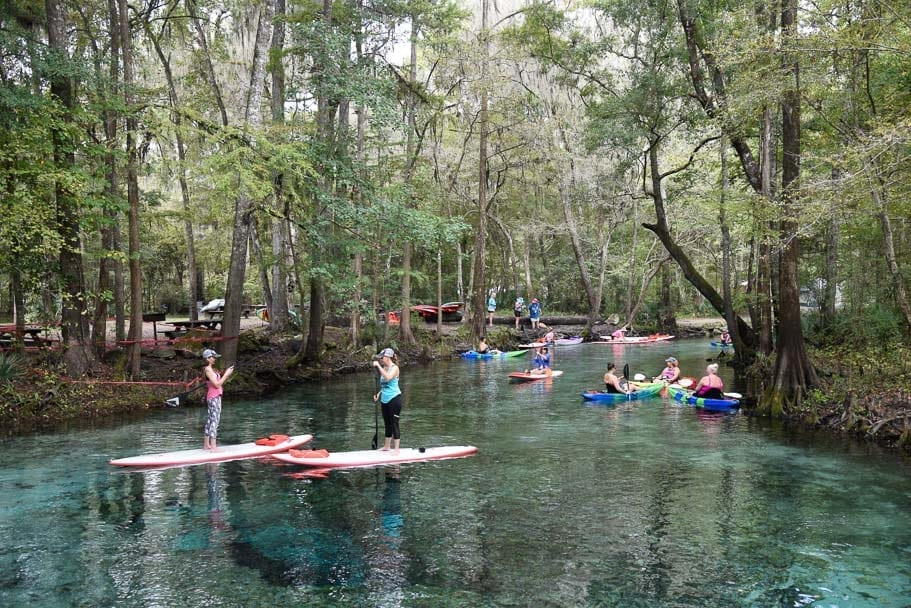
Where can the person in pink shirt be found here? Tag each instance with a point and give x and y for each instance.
(710, 386)
(214, 382)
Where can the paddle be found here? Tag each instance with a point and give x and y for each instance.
(733, 395)
(376, 421)
(176, 399)
(629, 394)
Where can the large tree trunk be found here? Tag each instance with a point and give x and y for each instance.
(478, 321)
(107, 264)
(878, 193)
(78, 354)
(794, 372)
(764, 248)
(325, 114)
(278, 310)
(135, 337)
(243, 208)
(406, 335)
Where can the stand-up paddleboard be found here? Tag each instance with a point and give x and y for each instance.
(523, 377)
(371, 458)
(222, 453)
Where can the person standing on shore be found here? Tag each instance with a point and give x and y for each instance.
(214, 382)
(517, 309)
(491, 307)
(534, 312)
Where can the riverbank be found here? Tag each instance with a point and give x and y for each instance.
(863, 394)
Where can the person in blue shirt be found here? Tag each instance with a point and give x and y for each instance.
(390, 397)
(541, 362)
(491, 307)
(534, 313)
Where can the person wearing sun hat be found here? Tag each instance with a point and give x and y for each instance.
(214, 382)
(534, 313)
(390, 397)
(671, 373)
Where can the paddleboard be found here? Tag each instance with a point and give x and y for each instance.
(370, 458)
(523, 377)
(200, 456)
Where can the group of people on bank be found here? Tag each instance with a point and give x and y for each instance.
(518, 310)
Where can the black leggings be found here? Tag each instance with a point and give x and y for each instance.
(391, 411)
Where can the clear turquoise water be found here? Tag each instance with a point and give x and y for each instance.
(566, 504)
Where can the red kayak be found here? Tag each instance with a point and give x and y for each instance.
(529, 377)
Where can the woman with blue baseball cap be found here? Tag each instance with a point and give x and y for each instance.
(389, 396)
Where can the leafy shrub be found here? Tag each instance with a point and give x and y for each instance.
(12, 366)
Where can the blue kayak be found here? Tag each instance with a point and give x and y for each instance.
(685, 396)
(643, 392)
(473, 354)
(723, 344)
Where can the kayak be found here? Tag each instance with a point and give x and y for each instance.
(637, 339)
(523, 377)
(643, 391)
(687, 397)
(473, 354)
(370, 458)
(568, 341)
(224, 452)
(723, 344)
(531, 345)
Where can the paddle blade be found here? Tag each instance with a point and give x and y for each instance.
(373, 443)
(686, 383)
(733, 395)
(172, 402)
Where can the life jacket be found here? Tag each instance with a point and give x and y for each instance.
(272, 440)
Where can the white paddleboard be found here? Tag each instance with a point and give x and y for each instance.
(367, 458)
(200, 456)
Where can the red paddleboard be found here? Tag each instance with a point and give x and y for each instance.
(523, 377)
(369, 458)
(200, 456)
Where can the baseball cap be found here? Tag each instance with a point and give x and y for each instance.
(387, 352)
(209, 353)
(670, 360)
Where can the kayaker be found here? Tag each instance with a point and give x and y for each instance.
(484, 349)
(214, 382)
(541, 362)
(549, 337)
(710, 385)
(725, 338)
(671, 373)
(390, 397)
(517, 309)
(612, 383)
(619, 333)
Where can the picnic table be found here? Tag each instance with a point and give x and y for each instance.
(32, 335)
(182, 327)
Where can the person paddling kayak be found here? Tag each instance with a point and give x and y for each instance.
(613, 384)
(671, 373)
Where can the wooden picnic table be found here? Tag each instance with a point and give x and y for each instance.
(182, 327)
(33, 334)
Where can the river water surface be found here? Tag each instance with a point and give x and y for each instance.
(566, 504)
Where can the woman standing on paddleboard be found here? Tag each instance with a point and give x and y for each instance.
(390, 396)
(214, 381)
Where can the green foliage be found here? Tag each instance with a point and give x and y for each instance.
(12, 366)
